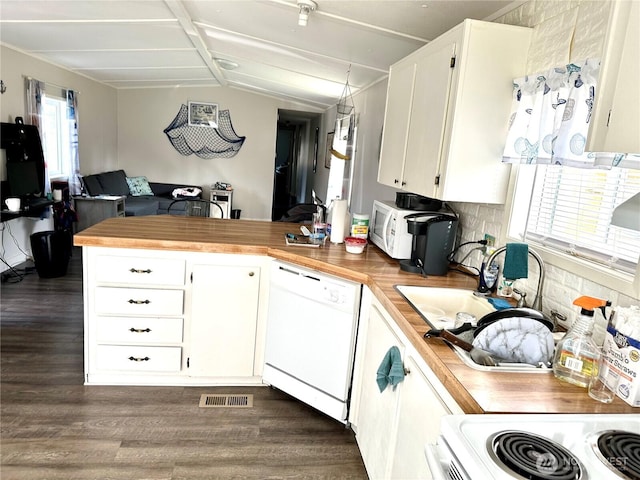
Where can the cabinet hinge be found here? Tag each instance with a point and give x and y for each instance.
(188, 361)
(191, 277)
(452, 63)
(436, 180)
(608, 118)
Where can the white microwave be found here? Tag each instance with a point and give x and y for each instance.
(388, 229)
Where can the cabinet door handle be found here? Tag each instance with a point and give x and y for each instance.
(137, 270)
(139, 359)
(406, 371)
(139, 302)
(140, 330)
(251, 274)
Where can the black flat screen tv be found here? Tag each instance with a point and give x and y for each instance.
(24, 179)
(25, 160)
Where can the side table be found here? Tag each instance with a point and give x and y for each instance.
(92, 210)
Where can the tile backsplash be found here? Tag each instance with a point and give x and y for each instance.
(561, 287)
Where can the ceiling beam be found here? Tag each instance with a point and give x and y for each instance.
(261, 43)
(177, 8)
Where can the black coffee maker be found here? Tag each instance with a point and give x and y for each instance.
(434, 236)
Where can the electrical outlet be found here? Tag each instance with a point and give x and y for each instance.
(491, 240)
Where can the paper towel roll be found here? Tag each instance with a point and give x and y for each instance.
(338, 221)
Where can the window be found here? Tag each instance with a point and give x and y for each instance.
(569, 210)
(56, 136)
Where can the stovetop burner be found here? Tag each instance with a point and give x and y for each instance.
(620, 451)
(534, 457)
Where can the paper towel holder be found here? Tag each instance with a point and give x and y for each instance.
(338, 222)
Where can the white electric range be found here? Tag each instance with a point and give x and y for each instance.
(537, 447)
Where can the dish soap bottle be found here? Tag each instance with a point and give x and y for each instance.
(577, 355)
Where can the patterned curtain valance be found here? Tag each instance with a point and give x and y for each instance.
(550, 118)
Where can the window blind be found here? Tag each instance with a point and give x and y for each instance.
(571, 210)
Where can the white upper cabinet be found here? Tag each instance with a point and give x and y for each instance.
(615, 126)
(447, 113)
(396, 124)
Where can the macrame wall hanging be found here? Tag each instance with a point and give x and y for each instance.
(206, 142)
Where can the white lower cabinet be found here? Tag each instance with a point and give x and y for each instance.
(137, 358)
(419, 416)
(156, 317)
(139, 330)
(224, 320)
(393, 426)
(376, 422)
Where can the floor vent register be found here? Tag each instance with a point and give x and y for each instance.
(226, 401)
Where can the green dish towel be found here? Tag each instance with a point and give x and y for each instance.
(391, 370)
(516, 261)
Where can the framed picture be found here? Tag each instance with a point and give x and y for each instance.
(315, 150)
(203, 114)
(327, 155)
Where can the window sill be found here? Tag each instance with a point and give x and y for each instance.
(625, 283)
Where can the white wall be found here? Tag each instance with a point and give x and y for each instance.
(97, 131)
(369, 105)
(144, 149)
(96, 105)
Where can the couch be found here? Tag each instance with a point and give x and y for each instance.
(143, 197)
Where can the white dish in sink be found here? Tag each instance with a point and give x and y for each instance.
(520, 339)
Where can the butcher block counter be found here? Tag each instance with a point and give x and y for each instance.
(475, 391)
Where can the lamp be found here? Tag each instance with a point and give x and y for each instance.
(306, 7)
(627, 214)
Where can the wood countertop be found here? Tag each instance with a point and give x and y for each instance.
(475, 391)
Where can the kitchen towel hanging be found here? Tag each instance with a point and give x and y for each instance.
(391, 370)
(516, 261)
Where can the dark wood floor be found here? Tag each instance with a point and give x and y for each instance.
(54, 427)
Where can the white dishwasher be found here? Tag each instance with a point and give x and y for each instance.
(310, 341)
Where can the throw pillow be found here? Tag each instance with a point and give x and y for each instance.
(139, 186)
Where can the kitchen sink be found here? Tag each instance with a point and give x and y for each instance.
(439, 306)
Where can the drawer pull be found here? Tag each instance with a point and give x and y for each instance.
(138, 359)
(140, 330)
(137, 270)
(139, 302)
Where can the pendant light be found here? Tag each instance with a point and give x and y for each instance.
(345, 104)
(343, 109)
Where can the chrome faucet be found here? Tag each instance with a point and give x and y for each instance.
(537, 301)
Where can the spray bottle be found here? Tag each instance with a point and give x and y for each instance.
(577, 354)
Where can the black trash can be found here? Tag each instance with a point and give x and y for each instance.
(51, 252)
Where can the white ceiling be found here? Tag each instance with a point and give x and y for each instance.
(157, 43)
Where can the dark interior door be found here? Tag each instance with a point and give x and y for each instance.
(284, 194)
